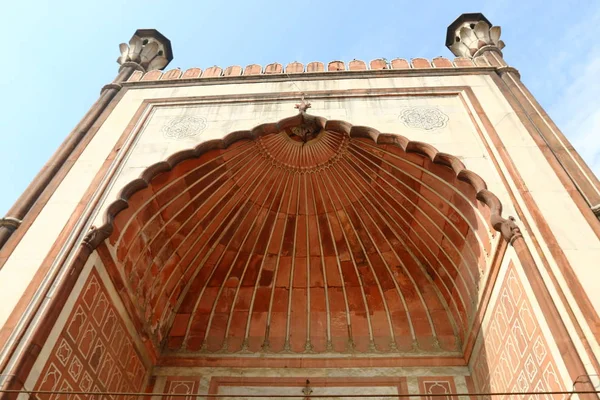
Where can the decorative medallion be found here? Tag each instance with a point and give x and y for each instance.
(424, 118)
(184, 127)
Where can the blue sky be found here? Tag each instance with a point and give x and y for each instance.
(57, 55)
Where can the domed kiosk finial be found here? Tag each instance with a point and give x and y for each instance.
(147, 50)
(470, 33)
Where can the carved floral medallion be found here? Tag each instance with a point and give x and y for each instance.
(424, 118)
(183, 127)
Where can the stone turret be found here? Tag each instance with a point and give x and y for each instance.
(147, 50)
(472, 34)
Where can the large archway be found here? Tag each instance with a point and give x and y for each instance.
(305, 236)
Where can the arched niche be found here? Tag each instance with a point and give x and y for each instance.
(305, 236)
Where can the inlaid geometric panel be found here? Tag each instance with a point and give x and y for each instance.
(437, 385)
(514, 356)
(94, 352)
(181, 385)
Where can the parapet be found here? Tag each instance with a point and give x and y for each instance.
(312, 67)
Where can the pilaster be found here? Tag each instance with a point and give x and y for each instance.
(27, 327)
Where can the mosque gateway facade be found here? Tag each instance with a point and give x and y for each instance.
(398, 227)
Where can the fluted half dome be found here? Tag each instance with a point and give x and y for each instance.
(335, 244)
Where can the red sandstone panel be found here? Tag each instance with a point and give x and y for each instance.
(294, 68)
(441, 62)
(378, 63)
(172, 74)
(253, 69)
(152, 75)
(212, 72)
(420, 63)
(400, 63)
(233, 70)
(357, 65)
(514, 355)
(192, 73)
(336, 66)
(274, 68)
(315, 66)
(94, 352)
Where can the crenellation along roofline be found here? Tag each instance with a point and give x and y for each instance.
(316, 70)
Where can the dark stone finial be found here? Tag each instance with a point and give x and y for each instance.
(147, 48)
(471, 32)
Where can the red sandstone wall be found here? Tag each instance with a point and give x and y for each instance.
(514, 355)
(94, 351)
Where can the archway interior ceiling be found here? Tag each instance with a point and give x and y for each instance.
(276, 244)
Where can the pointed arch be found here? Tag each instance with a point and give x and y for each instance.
(353, 241)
